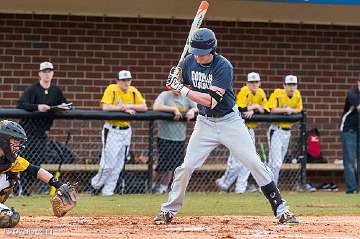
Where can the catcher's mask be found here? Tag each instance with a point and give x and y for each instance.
(12, 139)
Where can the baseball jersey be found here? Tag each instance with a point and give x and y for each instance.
(217, 73)
(279, 99)
(9, 178)
(173, 130)
(20, 165)
(113, 95)
(245, 97)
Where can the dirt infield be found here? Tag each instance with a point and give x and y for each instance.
(329, 227)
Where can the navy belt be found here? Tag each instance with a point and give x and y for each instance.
(119, 127)
(215, 115)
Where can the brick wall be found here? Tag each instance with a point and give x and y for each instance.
(88, 51)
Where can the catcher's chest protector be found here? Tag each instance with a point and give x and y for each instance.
(7, 182)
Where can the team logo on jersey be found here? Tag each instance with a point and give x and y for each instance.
(201, 80)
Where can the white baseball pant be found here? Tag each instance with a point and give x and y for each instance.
(208, 133)
(279, 142)
(116, 143)
(236, 171)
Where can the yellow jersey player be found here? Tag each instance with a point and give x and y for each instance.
(282, 101)
(116, 134)
(251, 99)
(12, 141)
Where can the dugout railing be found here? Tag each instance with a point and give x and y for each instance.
(75, 140)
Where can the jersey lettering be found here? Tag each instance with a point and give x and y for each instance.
(201, 80)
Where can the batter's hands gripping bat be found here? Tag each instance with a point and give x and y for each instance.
(175, 72)
(58, 172)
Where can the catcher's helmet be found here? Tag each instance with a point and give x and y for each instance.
(11, 130)
(202, 42)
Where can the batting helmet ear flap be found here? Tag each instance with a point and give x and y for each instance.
(202, 42)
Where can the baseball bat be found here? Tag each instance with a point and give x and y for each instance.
(262, 152)
(58, 171)
(199, 17)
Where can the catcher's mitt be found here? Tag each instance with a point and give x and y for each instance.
(64, 199)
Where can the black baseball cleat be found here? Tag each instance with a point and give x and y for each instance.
(95, 192)
(288, 218)
(163, 218)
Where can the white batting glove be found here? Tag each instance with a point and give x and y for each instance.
(173, 82)
(173, 79)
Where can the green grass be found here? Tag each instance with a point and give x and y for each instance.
(319, 203)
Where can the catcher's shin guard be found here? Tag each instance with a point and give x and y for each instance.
(9, 218)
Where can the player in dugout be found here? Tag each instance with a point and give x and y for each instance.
(282, 101)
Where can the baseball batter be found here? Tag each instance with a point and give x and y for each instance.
(12, 141)
(207, 78)
(282, 101)
(116, 134)
(250, 99)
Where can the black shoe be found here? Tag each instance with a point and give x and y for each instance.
(325, 187)
(95, 192)
(288, 218)
(334, 187)
(163, 218)
(351, 192)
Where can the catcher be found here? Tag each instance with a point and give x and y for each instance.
(12, 140)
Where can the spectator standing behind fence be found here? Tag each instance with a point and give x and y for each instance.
(116, 134)
(171, 136)
(349, 137)
(282, 101)
(251, 99)
(38, 97)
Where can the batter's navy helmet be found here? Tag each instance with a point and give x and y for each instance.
(202, 42)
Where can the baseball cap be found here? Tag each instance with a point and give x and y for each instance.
(123, 75)
(253, 76)
(46, 65)
(291, 79)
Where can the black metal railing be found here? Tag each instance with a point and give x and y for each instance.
(81, 153)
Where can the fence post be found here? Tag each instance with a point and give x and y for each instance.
(303, 151)
(150, 155)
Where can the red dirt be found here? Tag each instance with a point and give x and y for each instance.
(230, 227)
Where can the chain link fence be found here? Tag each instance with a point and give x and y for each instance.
(149, 160)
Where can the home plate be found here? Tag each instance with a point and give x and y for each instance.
(187, 229)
